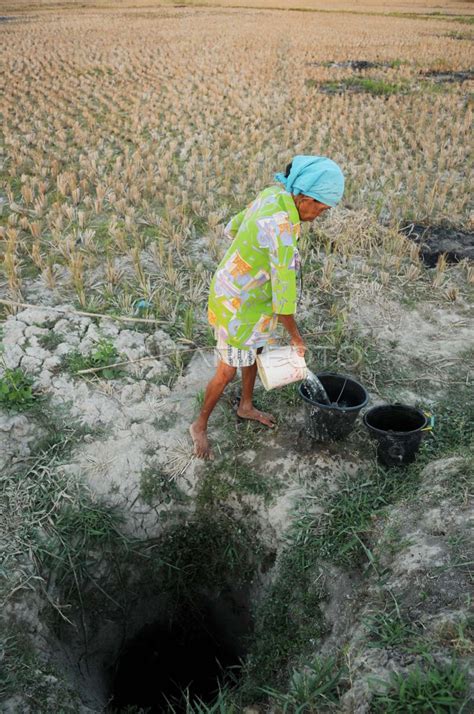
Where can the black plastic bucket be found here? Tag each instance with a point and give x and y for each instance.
(398, 430)
(331, 422)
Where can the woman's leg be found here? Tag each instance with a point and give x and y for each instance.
(198, 429)
(246, 408)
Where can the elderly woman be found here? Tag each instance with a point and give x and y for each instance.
(254, 287)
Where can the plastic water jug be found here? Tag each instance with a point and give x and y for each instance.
(280, 366)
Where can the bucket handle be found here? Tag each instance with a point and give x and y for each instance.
(431, 421)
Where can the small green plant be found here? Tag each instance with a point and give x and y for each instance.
(50, 340)
(396, 63)
(189, 324)
(312, 688)
(222, 704)
(389, 629)
(16, 390)
(157, 487)
(200, 398)
(429, 688)
(165, 421)
(458, 635)
(177, 364)
(103, 355)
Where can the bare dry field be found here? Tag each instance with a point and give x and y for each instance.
(458, 8)
(321, 580)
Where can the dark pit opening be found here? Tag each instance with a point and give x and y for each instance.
(394, 418)
(197, 652)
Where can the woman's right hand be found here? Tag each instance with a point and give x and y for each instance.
(296, 341)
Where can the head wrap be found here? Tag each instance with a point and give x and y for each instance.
(315, 176)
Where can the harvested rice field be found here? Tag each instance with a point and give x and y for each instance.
(289, 573)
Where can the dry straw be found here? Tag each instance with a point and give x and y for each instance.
(124, 188)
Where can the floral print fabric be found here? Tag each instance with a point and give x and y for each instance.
(256, 279)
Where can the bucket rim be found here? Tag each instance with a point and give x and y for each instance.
(392, 431)
(330, 407)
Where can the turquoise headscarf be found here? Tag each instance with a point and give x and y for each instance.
(315, 176)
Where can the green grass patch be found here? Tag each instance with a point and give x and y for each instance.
(426, 688)
(459, 35)
(340, 535)
(389, 629)
(316, 687)
(376, 87)
(231, 477)
(453, 432)
(61, 524)
(22, 671)
(289, 623)
(205, 551)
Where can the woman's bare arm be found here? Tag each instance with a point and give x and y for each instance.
(288, 322)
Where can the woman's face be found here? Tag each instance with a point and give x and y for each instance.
(309, 208)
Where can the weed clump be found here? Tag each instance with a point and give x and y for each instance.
(389, 629)
(101, 357)
(50, 340)
(204, 552)
(159, 488)
(16, 390)
(317, 686)
(430, 688)
(23, 671)
(230, 476)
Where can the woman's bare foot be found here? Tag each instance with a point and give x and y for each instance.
(256, 415)
(202, 447)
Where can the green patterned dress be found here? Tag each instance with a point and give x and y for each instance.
(256, 280)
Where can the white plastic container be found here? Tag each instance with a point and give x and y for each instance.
(280, 366)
